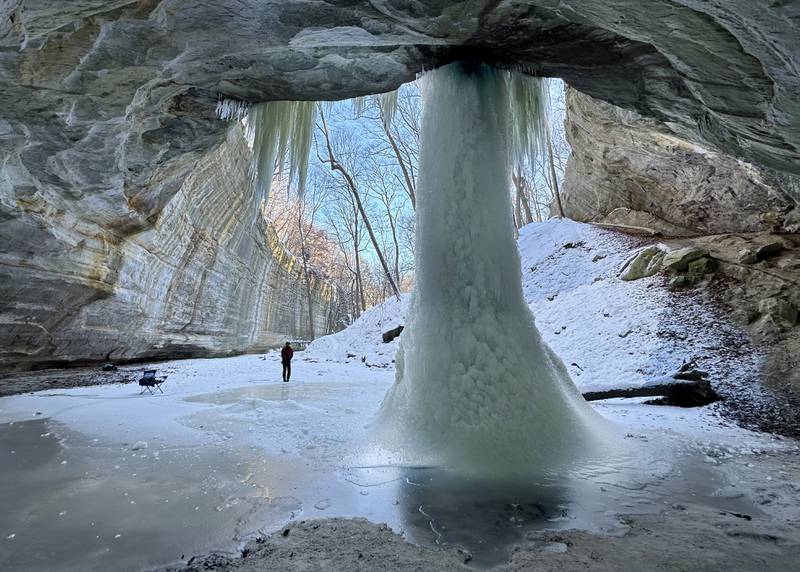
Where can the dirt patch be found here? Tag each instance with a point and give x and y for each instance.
(677, 539)
(29, 382)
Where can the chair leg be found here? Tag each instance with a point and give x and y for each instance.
(159, 388)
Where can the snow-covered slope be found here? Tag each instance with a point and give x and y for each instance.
(363, 340)
(609, 332)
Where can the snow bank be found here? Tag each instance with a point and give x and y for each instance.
(363, 339)
(608, 332)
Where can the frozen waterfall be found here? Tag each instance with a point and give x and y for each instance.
(477, 388)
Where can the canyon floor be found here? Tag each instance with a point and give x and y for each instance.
(253, 473)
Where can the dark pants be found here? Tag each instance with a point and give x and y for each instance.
(287, 369)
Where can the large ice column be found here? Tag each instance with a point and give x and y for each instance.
(477, 387)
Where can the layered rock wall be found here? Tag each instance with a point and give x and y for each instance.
(106, 107)
(628, 169)
(204, 280)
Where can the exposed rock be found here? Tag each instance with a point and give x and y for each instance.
(678, 260)
(202, 281)
(108, 106)
(680, 281)
(701, 266)
(768, 249)
(632, 219)
(763, 296)
(392, 334)
(779, 310)
(747, 256)
(626, 169)
(646, 263)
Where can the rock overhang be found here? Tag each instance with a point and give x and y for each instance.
(108, 107)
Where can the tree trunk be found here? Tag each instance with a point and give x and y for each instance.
(396, 249)
(359, 283)
(679, 393)
(688, 387)
(400, 161)
(520, 184)
(556, 194)
(303, 257)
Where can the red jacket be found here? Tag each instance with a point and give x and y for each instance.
(286, 353)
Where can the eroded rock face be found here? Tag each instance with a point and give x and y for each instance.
(203, 280)
(107, 106)
(625, 169)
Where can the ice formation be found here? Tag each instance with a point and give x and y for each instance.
(276, 131)
(281, 131)
(477, 388)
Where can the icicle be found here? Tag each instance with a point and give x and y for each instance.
(528, 102)
(276, 131)
(229, 109)
(387, 103)
(359, 104)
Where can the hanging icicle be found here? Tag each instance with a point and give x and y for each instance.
(387, 104)
(278, 131)
(281, 131)
(528, 101)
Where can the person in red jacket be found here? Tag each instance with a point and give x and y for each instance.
(286, 358)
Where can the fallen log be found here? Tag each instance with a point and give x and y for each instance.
(685, 388)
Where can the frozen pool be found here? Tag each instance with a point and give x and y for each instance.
(102, 479)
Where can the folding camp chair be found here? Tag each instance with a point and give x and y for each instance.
(150, 382)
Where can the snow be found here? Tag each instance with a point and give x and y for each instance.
(636, 333)
(363, 339)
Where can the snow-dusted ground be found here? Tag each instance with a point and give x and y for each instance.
(609, 332)
(100, 478)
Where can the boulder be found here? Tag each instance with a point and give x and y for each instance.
(780, 310)
(678, 260)
(702, 266)
(392, 334)
(646, 263)
(769, 249)
(747, 256)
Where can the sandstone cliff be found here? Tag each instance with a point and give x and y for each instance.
(202, 281)
(106, 107)
(627, 169)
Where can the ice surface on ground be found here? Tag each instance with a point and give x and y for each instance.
(233, 451)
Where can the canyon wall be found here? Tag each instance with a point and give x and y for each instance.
(113, 246)
(741, 220)
(203, 280)
(628, 169)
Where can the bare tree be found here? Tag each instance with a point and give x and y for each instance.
(335, 165)
(309, 204)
